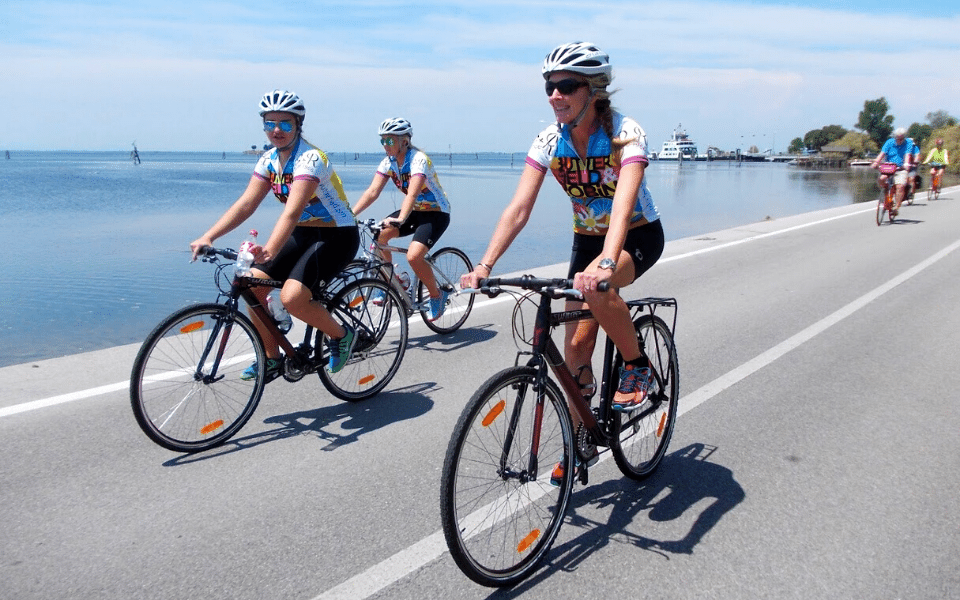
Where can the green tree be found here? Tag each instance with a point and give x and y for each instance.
(920, 132)
(875, 120)
(796, 146)
(940, 118)
(818, 138)
(815, 139)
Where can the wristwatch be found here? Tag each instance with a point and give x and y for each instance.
(608, 264)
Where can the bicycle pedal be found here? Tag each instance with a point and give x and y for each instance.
(582, 475)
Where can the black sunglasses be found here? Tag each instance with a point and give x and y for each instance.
(566, 86)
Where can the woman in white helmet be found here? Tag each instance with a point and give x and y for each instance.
(425, 211)
(315, 236)
(598, 156)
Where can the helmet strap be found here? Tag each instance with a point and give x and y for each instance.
(583, 111)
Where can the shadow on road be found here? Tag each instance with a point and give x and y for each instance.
(683, 481)
(461, 338)
(328, 422)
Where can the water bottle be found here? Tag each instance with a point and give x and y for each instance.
(402, 276)
(245, 254)
(278, 312)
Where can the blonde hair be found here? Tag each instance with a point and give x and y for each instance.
(604, 108)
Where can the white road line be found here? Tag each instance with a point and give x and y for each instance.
(430, 548)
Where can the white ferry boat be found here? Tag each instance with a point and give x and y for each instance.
(678, 147)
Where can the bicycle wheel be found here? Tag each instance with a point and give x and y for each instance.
(185, 389)
(641, 437)
(375, 312)
(500, 513)
(448, 265)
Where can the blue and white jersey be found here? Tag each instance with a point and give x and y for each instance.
(329, 206)
(432, 197)
(591, 181)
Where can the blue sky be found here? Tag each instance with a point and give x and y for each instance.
(179, 75)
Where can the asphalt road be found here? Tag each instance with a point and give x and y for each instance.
(816, 455)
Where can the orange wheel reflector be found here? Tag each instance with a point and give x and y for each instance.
(494, 413)
(192, 327)
(528, 541)
(367, 379)
(663, 421)
(355, 302)
(212, 427)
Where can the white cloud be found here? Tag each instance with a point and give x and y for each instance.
(188, 76)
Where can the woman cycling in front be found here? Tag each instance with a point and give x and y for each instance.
(599, 157)
(315, 236)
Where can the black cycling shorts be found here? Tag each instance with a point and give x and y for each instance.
(426, 226)
(644, 243)
(314, 254)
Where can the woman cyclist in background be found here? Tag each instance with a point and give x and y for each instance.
(599, 157)
(315, 236)
(425, 212)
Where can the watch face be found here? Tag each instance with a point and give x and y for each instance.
(607, 263)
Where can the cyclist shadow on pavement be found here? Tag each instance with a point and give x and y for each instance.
(338, 424)
(684, 481)
(461, 338)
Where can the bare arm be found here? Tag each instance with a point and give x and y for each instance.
(511, 223)
(239, 212)
(624, 200)
(372, 193)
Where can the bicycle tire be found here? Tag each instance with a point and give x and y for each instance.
(179, 406)
(376, 313)
(451, 263)
(880, 210)
(930, 193)
(497, 527)
(641, 438)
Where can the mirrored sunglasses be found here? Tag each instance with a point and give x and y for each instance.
(285, 126)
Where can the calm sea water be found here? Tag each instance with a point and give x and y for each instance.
(100, 245)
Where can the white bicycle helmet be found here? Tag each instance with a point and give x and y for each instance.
(282, 101)
(578, 57)
(396, 126)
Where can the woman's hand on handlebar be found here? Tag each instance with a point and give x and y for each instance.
(197, 246)
(587, 281)
(391, 222)
(471, 280)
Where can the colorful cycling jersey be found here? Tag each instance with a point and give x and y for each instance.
(896, 153)
(938, 155)
(432, 197)
(591, 182)
(329, 206)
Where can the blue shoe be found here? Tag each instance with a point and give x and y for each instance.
(273, 370)
(438, 305)
(340, 349)
(635, 384)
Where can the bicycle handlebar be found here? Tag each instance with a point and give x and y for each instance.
(209, 252)
(555, 287)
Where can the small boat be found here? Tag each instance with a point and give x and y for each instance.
(678, 147)
(859, 163)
